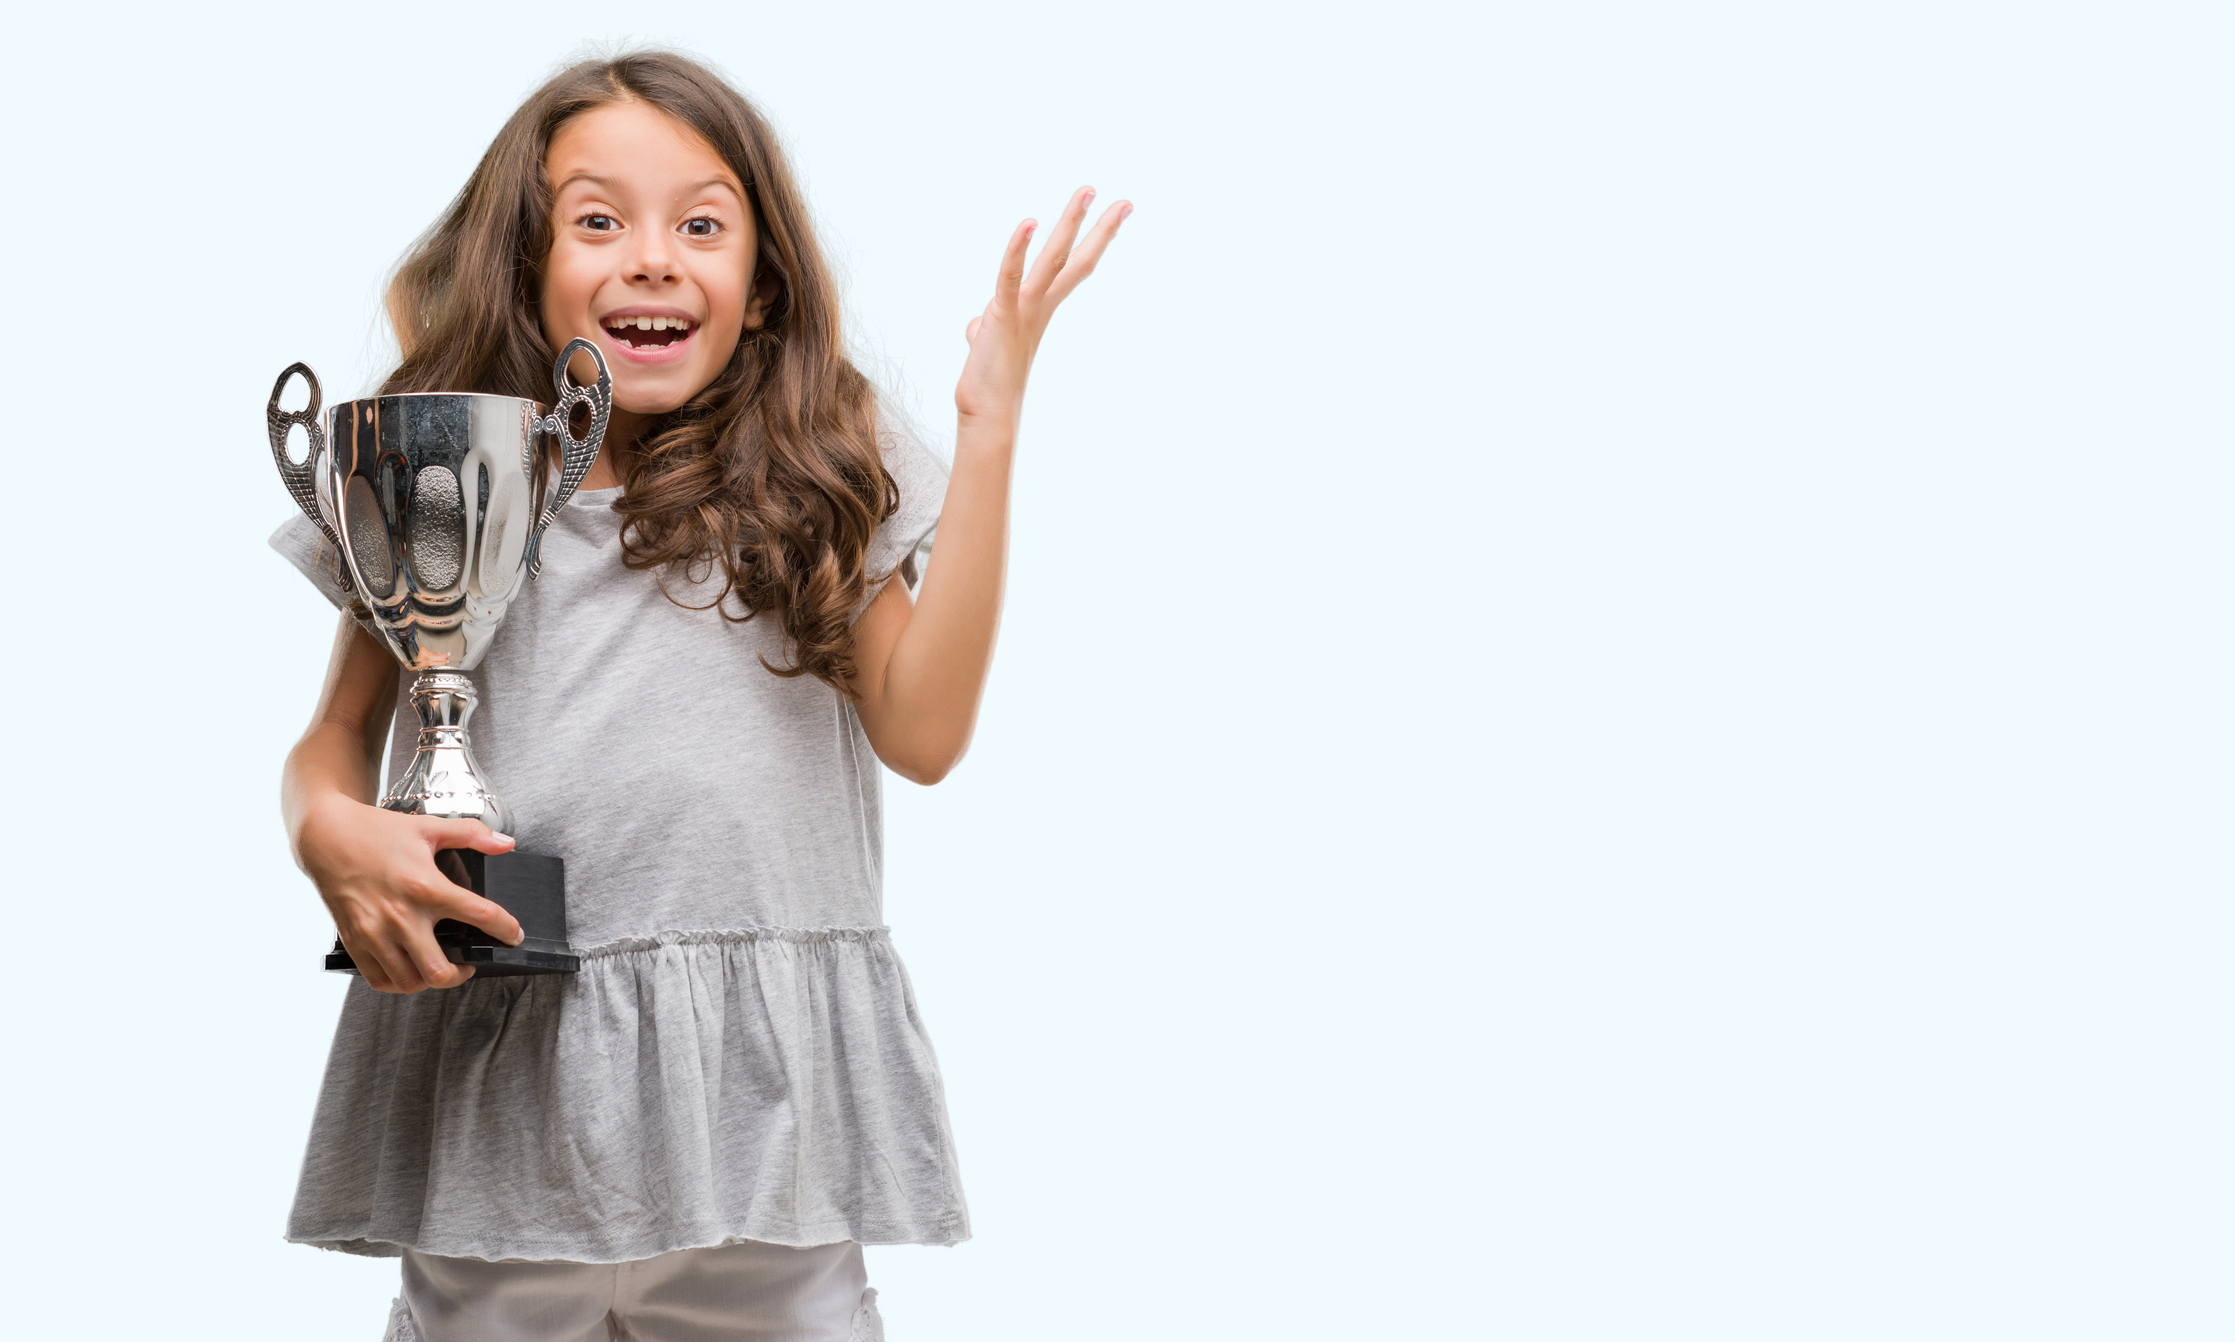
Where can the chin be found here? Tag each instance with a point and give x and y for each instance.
(647, 404)
(662, 396)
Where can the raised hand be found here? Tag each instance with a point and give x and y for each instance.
(1007, 334)
(922, 664)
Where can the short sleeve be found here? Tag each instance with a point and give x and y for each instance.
(903, 540)
(305, 547)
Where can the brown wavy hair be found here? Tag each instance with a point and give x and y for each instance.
(772, 470)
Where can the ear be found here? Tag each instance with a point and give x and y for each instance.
(767, 286)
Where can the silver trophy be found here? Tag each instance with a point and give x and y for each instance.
(435, 505)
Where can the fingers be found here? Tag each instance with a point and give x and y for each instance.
(370, 967)
(388, 883)
(391, 936)
(449, 895)
(385, 963)
(471, 909)
(1062, 264)
(1011, 278)
(1057, 250)
(1083, 259)
(432, 966)
(404, 957)
(465, 834)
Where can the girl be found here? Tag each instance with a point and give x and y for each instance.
(694, 1136)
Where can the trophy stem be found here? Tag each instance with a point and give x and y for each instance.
(442, 779)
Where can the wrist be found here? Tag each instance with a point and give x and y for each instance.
(318, 816)
(988, 426)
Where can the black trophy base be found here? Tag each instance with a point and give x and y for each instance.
(531, 887)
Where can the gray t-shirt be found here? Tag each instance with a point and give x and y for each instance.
(740, 1057)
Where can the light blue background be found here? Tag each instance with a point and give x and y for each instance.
(1612, 719)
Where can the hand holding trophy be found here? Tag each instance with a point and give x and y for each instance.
(436, 504)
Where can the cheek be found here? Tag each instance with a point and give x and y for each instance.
(727, 290)
(720, 347)
(573, 275)
(563, 299)
(728, 306)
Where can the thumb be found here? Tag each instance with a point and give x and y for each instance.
(466, 834)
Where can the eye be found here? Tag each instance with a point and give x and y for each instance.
(701, 228)
(599, 223)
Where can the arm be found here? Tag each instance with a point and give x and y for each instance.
(376, 869)
(921, 666)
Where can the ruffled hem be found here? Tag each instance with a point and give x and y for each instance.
(735, 936)
(561, 1251)
(686, 1089)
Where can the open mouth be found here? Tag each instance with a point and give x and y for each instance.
(648, 332)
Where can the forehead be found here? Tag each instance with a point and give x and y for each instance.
(637, 145)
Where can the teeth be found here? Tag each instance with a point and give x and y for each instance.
(622, 324)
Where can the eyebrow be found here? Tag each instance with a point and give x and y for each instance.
(593, 179)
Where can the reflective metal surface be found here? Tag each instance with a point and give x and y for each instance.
(442, 778)
(301, 480)
(437, 503)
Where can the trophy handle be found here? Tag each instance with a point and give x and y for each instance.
(301, 479)
(576, 455)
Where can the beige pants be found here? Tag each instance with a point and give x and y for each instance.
(762, 1292)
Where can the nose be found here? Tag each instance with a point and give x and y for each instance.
(653, 260)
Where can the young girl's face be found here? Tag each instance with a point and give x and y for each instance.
(652, 256)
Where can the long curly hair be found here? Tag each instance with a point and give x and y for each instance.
(771, 471)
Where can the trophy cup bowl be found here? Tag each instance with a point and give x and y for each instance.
(435, 504)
